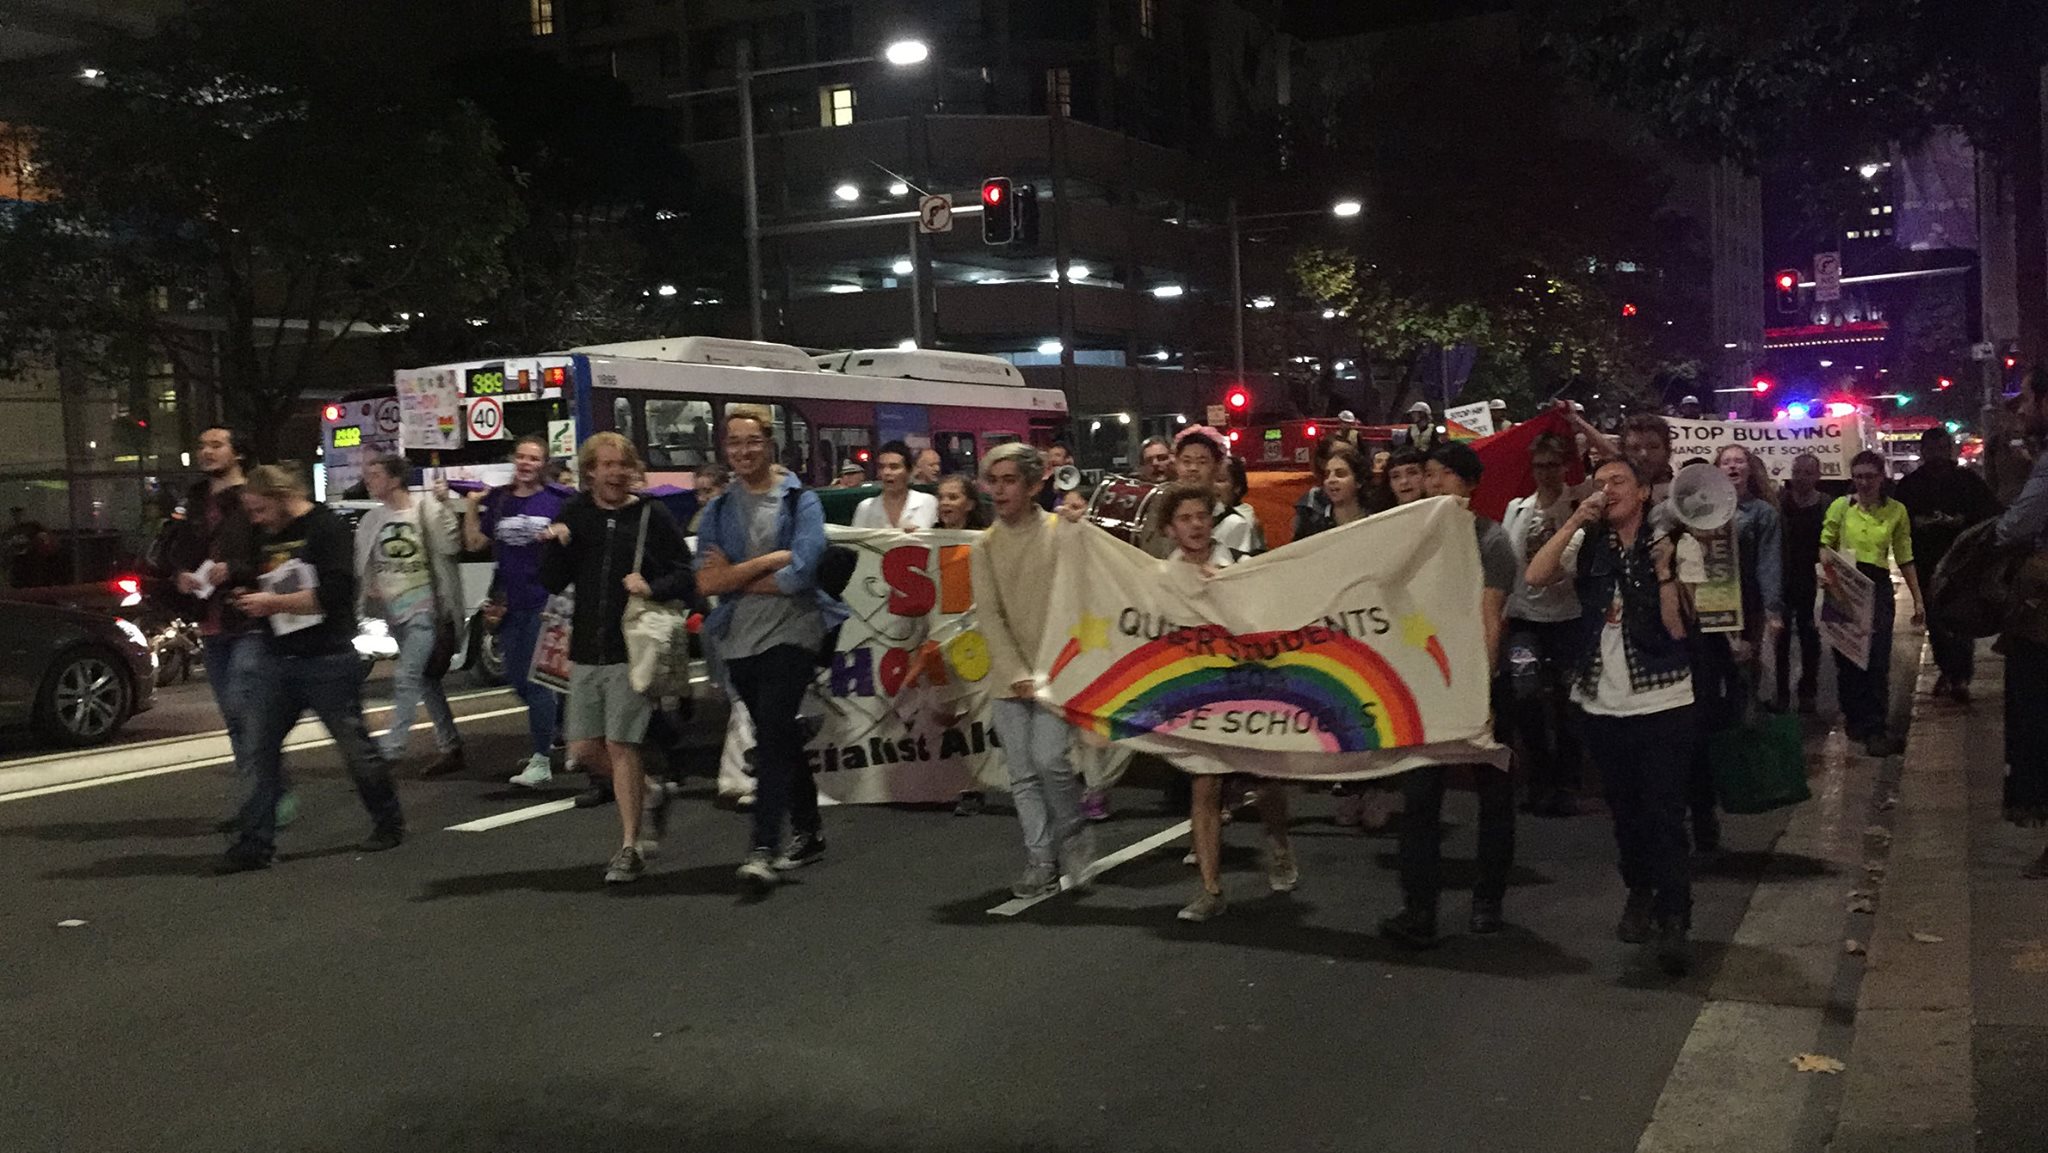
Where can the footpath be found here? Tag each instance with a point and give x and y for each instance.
(1887, 991)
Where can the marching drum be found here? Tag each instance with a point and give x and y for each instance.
(1122, 505)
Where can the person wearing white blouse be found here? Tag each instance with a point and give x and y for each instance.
(898, 506)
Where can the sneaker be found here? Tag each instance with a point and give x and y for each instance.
(1674, 952)
(626, 865)
(656, 809)
(971, 804)
(538, 773)
(1095, 805)
(382, 840)
(1205, 906)
(1634, 927)
(804, 849)
(1077, 856)
(287, 809)
(1036, 881)
(599, 793)
(1191, 858)
(759, 869)
(1411, 928)
(450, 761)
(1281, 871)
(1485, 917)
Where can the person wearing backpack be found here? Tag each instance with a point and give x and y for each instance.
(760, 548)
(1943, 498)
(2025, 641)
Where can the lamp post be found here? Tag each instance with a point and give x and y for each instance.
(900, 54)
(1345, 209)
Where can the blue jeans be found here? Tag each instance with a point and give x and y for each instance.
(517, 634)
(279, 690)
(1042, 781)
(228, 657)
(772, 685)
(410, 685)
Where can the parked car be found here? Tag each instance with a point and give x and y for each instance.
(75, 675)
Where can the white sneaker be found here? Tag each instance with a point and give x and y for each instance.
(536, 773)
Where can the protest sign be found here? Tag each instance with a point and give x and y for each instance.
(1832, 440)
(551, 664)
(1356, 653)
(1848, 601)
(430, 414)
(1469, 421)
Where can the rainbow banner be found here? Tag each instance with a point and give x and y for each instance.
(1356, 653)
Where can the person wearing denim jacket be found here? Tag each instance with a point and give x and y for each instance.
(1633, 685)
(759, 546)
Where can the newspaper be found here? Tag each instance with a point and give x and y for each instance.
(291, 577)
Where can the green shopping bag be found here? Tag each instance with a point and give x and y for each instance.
(1760, 765)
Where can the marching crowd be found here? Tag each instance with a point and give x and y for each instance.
(1587, 602)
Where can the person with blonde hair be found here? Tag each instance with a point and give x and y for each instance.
(610, 546)
(305, 597)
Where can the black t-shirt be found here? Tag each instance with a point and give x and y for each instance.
(1949, 490)
(322, 541)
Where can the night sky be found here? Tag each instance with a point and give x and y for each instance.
(1318, 18)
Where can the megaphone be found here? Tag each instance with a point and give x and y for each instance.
(1066, 478)
(1702, 498)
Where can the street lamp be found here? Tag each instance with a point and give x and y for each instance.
(900, 53)
(1348, 208)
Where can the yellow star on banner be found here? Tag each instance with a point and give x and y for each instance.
(1092, 632)
(1416, 630)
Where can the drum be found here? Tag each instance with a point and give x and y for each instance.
(1122, 505)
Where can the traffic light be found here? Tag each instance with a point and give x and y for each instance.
(1238, 401)
(1628, 309)
(1761, 384)
(1787, 284)
(1009, 213)
(1942, 383)
(998, 221)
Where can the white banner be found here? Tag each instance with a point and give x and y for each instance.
(1832, 440)
(1469, 421)
(430, 414)
(1356, 653)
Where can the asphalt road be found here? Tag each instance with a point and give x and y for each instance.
(483, 990)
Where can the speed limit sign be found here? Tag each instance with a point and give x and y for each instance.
(486, 418)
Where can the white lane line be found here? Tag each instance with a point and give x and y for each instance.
(531, 812)
(161, 742)
(1016, 905)
(205, 762)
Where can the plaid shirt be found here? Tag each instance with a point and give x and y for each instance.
(1655, 660)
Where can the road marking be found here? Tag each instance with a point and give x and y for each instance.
(206, 761)
(160, 742)
(1016, 905)
(531, 812)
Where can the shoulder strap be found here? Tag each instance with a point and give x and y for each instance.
(640, 543)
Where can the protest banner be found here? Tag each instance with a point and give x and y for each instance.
(1469, 421)
(551, 664)
(1710, 562)
(1833, 440)
(1356, 653)
(1848, 602)
(430, 409)
(905, 715)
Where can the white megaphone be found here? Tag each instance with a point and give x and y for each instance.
(1066, 478)
(1702, 498)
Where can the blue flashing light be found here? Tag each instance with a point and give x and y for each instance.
(1797, 410)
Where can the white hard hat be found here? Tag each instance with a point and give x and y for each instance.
(1497, 405)
(1419, 406)
(1688, 400)
(1577, 407)
(1348, 417)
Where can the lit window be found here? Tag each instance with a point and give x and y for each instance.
(835, 105)
(1059, 91)
(1148, 18)
(542, 14)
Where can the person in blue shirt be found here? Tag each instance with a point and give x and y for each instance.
(759, 547)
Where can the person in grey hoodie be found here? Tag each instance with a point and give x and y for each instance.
(406, 572)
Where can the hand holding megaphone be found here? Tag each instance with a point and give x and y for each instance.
(1066, 478)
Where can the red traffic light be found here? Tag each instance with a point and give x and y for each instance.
(1787, 281)
(1628, 310)
(993, 192)
(1311, 432)
(2012, 362)
(1942, 382)
(1237, 399)
(332, 412)
(1761, 385)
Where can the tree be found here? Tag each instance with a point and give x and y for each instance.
(1818, 89)
(247, 192)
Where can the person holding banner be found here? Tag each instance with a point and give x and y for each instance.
(1875, 530)
(758, 553)
(594, 544)
(959, 505)
(899, 506)
(512, 521)
(1633, 683)
(1012, 566)
(1344, 477)
(1454, 470)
